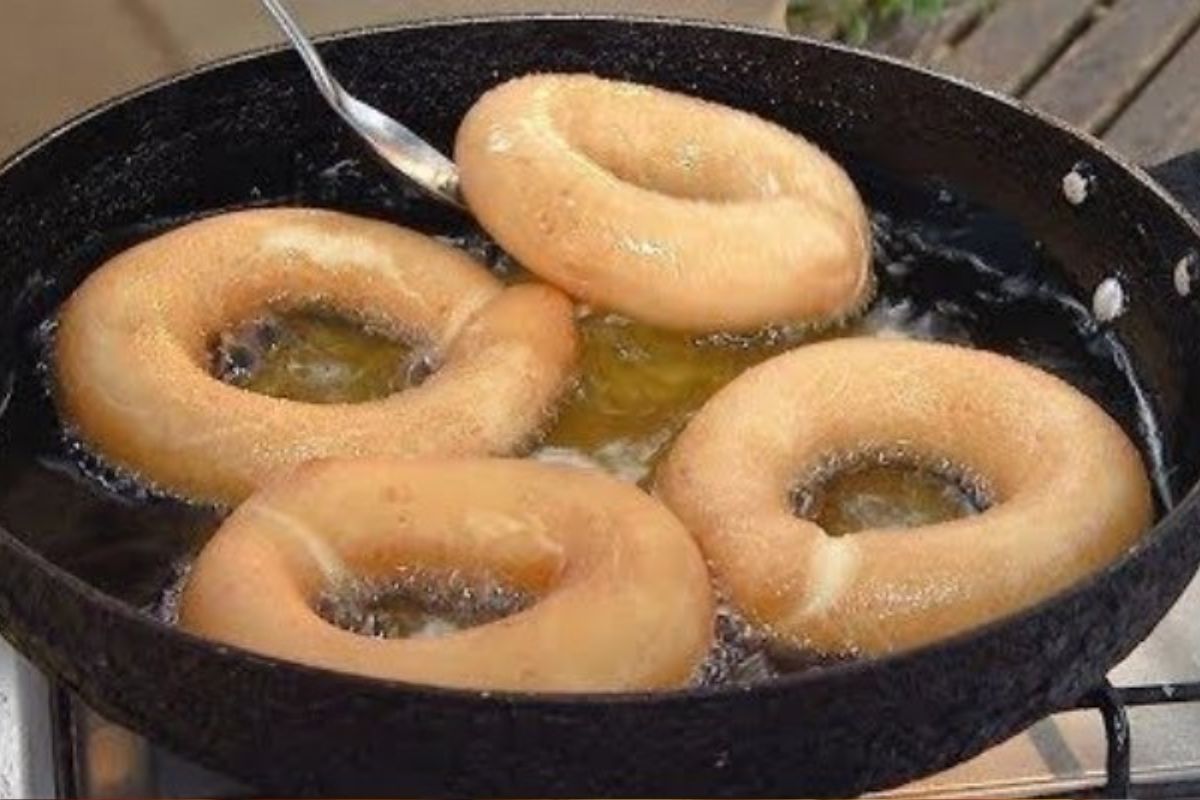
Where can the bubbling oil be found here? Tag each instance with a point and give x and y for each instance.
(411, 603)
(417, 603)
(884, 497)
(637, 387)
(887, 489)
(947, 270)
(316, 355)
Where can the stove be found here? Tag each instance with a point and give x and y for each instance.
(1137, 736)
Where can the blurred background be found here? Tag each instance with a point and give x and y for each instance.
(1123, 70)
(59, 57)
(62, 56)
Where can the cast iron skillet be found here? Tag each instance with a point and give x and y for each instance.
(253, 129)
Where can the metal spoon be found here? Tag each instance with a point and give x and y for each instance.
(397, 145)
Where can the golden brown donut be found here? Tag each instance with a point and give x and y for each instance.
(623, 597)
(670, 209)
(1069, 493)
(133, 349)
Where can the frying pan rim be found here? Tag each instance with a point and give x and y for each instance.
(782, 685)
(648, 20)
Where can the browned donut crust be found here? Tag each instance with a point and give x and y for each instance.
(673, 210)
(133, 349)
(623, 596)
(1068, 488)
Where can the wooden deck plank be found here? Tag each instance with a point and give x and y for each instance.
(1101, 70)
(1165, 119)
(922, 40)
(1015, 41)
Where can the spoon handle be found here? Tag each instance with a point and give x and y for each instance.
(399, 146)
(312, 59)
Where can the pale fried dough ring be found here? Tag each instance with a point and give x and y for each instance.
(673, 210)
(624, 600)
(133, 350)
(1069, 492)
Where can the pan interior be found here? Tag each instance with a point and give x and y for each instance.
(948, 268)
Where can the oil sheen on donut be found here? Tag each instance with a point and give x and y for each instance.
(133, 351)
(1068, 491)
(670, 209)
(623, 600)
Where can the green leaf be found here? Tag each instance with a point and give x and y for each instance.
(860, 29)
(854, 20)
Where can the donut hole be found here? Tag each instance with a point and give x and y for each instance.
(884, 490)
(418, 604)
(315, 354)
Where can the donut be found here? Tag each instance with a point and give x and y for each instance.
(669, 209)
(134, 342)
(623, 599)
(1067, 491)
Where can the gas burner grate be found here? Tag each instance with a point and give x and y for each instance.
(1113, 702)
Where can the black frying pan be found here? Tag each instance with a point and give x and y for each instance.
(254, 131)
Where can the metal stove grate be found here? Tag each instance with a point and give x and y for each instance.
(1113, 703)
